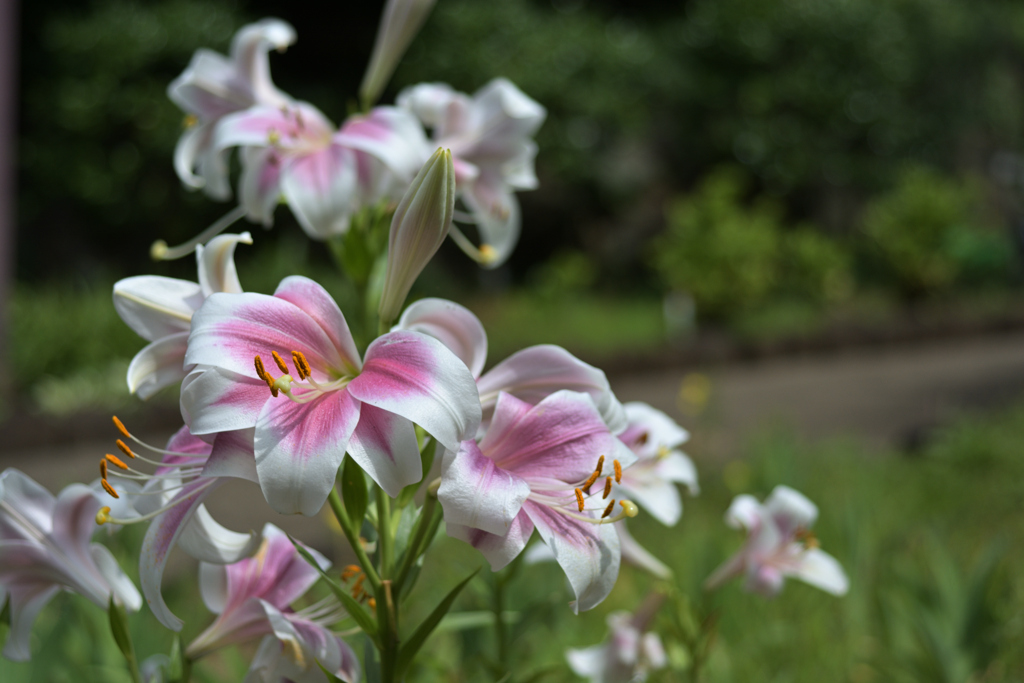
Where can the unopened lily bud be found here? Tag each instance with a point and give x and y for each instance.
(420, 224)
(399, 24)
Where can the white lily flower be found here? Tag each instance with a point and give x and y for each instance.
(629, 653)
(418, 229)
(214, 86)
(490, 136)
(779, 544)
(160, 310)
(651, 482)
(401, 21)
(45, 547)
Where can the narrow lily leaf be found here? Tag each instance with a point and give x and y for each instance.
(423, 631)
(371, 663)
(119, 629)
(354, 609)
(331, 678)
(353, 491)
(427, 459)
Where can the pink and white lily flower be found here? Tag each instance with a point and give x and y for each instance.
(334, 402)
(160, 310)
(214, 86)
(533, 469)
(45, 547)
(651, 482)
(490, 136)
(779, 544)
(172, 499)
(627, 656)
(252, 599)
(530, 375)
(325, 175)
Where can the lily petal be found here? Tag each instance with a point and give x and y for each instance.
(417, 377)
(823, 571)
(260, 184)
(26, 602)
(159, 364)
(214, 400)
(790, 509)
(233, 455)
(155, 306)
(476, 493)
(216, 264)
(322, 190)
(384, 445)
(206, 540)
(588, 553)
(453, 325)
(120, 585)
(537, 371)
(498, 550)
(315, 302)
(497, 215)
(299, 448)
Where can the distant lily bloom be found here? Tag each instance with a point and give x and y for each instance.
(399, 24)
(627, 656)
(325, 175)
(651, 482)
(252, 599)
(533, 469)
(171, 499)
(491, 138)
(326, 399)
(45, 548)
(418, 229)
(530, 374)
(779, 544)
(160, 310)
(214, 86)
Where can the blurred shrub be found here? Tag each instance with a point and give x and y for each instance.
(927, 234)
(723, 253)
(731, 256)
(566, 274)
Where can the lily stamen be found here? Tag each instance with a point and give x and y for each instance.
(115, 461)
(280, 362)
(618, 471)
(607, 487)
(108, 488)
(123, 447)
(579, 499)
(608, 510)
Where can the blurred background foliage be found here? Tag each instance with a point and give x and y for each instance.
(770, 163)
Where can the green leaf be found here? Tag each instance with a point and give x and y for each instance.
(423, 631)
(353, 491)
(351, 605)
(331, 678)
(427, 459)
(119, 629)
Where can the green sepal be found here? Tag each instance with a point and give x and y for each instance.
(412, 645)
(353, 491)
(351, 605)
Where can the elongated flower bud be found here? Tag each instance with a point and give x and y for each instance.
(400, 23)
(420, 224)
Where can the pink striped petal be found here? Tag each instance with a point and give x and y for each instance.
(453, 325)
(299, 448)
(497, 550)
(260, 185)
(322, 190)
(390, 134)
(588, 553)
(230, 330)
(537, 371)
(214, 400)
(161, 536)
(476, 493)
(314, 300)
(559, 439)
(384, 445)
(415, 376)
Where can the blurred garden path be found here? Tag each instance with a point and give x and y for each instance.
(885, 395)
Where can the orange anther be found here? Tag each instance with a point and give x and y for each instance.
(350, 571)
(116, 461)
(372, 603)
(608, 510)
(590, 480)
(120, 428)
(607, 488)
(579, 499)
(108, 488)
(260, 370)
(600, 465)
(280, 362)
(643, 438)
(302, 364)
(103, 469)
(618, 471)
(124, 449)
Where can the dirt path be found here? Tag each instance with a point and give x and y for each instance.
(885, 396)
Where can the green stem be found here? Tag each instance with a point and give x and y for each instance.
(500, 632)
(384, 540)
(419, 537)
(352, 535)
